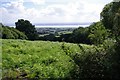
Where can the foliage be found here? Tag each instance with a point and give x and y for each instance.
(97, 33)
(111, 20)
(93, 62)
(1, 30)
(23, 59)
(80, 35)
(32, 60)
(11, 33)
(94, 34)
(50, 37)
(26, 27)
(66, 37)
(105, 16)
(6, 34)
(110, 17)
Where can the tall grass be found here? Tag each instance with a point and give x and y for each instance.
(35, 59)
(22, 59)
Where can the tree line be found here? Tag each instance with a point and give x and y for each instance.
(96, 33)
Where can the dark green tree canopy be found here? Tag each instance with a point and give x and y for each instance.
(105, 16)
(109, 14)
(110, 17)
(27, 27)
(80, 35)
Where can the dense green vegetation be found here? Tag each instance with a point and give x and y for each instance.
(11, 33)
(111, 18)
(26, 27)
(112, 22)
(38, 60)
(43, 59)
(96, 33)
(27, 59)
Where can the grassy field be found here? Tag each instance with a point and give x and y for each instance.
(39, 60)
(36, 59)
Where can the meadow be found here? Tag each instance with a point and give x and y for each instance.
(36, 59)
(39, 60)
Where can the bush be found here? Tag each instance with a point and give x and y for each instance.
(12, 33)
(94, 62)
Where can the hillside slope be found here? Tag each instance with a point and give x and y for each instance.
(22, 59)
(36, 59)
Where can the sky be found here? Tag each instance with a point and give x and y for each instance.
(51, 11)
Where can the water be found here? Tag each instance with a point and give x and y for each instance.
(70, 25)
(60, 26)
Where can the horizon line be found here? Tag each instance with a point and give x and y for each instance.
(53, 24)
(45, 24)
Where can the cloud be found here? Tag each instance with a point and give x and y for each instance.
(2, 1)
(38, 2)
(73, 11)
(10, 11)
(16, 7)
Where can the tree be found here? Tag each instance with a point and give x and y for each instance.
(97, 33)
(80, 35)
(26, 27)
(109, 16)
(105, 16)
(66, 37)
(1, 30)
(112, 22)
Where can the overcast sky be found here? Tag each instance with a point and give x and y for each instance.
(51, 11)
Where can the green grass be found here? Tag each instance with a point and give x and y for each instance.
(37, 59)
